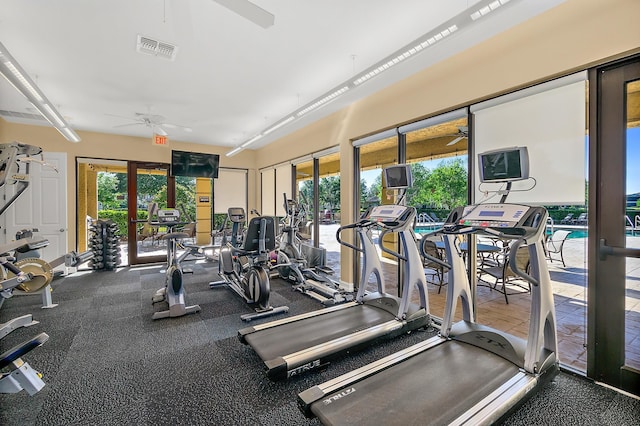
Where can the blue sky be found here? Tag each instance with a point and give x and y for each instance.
(633, 160)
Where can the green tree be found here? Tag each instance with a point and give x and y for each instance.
(185, 197)
(363, 194)
(447, 184)
(107, 184)
(329, 188)
(419, 193)
(149, 185)
(305, 195)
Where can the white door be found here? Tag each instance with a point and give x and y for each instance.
(42, 206)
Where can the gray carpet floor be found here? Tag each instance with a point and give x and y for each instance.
(108, 363)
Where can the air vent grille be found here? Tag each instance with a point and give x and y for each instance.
(154, 47)
(23, 115)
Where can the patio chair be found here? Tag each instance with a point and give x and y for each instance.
(581, 220)
(190, 229)
(147, 231)
(432, 269)
(434, 217)
(567, 219)
(555, 243)
(505, 277)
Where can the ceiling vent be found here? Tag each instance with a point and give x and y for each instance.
(22, 115)
(154, 47)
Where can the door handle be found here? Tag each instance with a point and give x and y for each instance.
(606, 250)
(62, 229)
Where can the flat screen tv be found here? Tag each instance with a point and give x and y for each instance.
(504, 165)
(398, 177)
(194, 164)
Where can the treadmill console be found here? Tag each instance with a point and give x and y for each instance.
(387, 213)
(498, 218)
(493, 215)
(168, 216)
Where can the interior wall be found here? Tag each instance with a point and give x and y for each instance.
(569, 37)
(116, 147)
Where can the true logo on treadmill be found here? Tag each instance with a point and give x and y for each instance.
(338, 396)
(306, 367)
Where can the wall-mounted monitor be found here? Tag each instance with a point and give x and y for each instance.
(398, 177)
(504, 165)
(194, 164)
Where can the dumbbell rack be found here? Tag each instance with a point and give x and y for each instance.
(104, 245)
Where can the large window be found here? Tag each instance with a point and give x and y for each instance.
(437, 150)
(318, 190)
(374, 154)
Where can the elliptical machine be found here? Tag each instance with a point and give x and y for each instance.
(292, 265)
(244, 260)
(173, 291)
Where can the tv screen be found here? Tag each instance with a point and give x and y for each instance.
(504, 165)
(398, 177)
(194, 164)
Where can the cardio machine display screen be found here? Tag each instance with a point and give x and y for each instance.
(387, 213)
(491, 213)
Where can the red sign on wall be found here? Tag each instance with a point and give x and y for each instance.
(160, 140)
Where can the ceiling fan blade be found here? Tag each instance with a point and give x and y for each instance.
(122, 116)
(249, 11)
(456, 140)
(159, 130)
(177, 126)
(129, 124)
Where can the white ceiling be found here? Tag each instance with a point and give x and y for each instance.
(231, 78)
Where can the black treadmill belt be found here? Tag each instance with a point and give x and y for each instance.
(431, 388)
(296, 336)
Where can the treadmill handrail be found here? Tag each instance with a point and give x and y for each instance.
(432, 258)
(386, 250)
(513, 264)
(360, 224)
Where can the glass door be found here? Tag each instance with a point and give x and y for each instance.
(150, 188)
(614, 315)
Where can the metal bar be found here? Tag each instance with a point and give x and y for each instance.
(606, 250)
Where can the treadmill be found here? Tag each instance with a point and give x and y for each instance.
(300, 343)
(469, 373)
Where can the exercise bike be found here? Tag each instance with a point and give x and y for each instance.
(309, 272)
(173, 291)
(243, 262)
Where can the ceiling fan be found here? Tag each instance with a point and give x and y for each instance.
(153, 121)
(249, 11)
(463, 133)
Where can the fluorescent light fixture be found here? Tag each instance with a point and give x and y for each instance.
(487, 9)
(250, 141)
(69, 134)
(19, 79)
(233, 151)
(277, 126)
(420, 44)
(322, 101)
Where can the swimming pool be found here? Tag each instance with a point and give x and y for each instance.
(583, 233)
